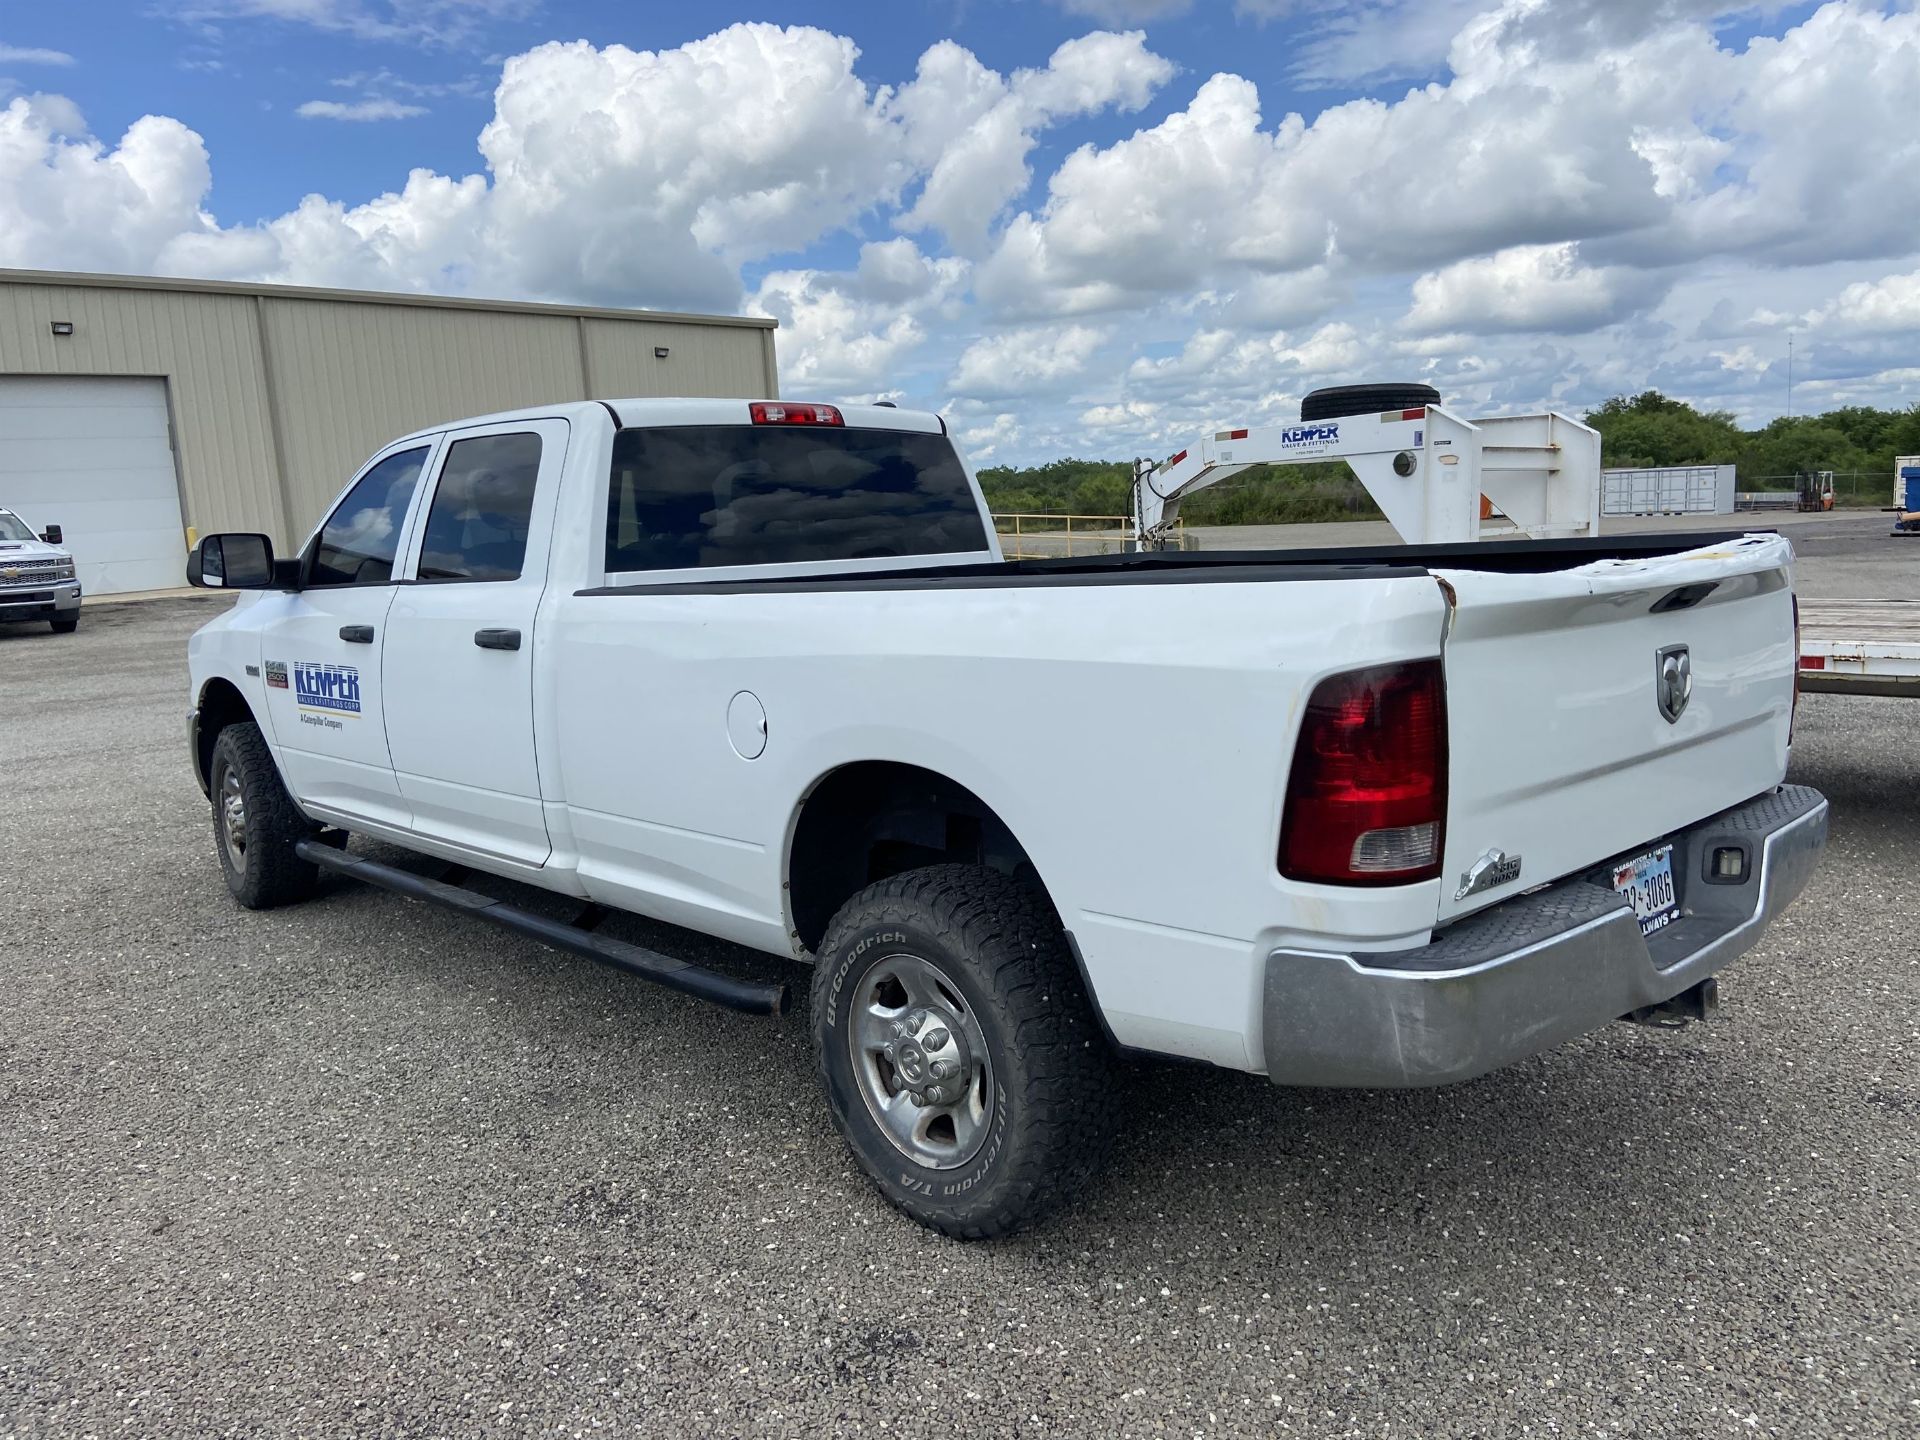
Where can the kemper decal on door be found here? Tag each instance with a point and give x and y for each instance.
(326, 694)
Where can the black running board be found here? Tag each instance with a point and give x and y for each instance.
(575, 939)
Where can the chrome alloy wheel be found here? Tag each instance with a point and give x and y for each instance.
(233, 821)
(921, 1060)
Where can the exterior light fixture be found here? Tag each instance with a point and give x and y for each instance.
(62, 327)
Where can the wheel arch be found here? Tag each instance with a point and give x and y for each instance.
(867, 820)
(221, 704)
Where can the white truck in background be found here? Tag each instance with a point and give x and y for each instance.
(759, 670)
(37, 578)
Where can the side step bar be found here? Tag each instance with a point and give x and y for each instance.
(664, 970)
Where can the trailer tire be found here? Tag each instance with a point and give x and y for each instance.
(976, 967)
(255, 823)
(1334, 401)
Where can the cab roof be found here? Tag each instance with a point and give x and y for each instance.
(645, 411)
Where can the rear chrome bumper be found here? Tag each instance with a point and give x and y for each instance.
(1536, 971)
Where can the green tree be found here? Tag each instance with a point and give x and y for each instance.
(1650, 430)
(1786, 447)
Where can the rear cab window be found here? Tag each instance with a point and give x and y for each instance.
(482, 509)
(685, 497)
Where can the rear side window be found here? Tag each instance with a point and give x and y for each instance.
(356, 546)
(477, 527)
(688, 496)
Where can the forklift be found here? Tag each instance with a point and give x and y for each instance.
(1816, 489)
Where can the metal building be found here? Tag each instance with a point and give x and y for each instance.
(136, 412)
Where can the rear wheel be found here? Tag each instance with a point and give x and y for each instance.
(961, 1056)
(255, 823)
(1337, 400)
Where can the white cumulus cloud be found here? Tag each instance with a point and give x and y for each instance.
(1040, 358)
(1529, 287)
(991, 126)
(1889, 306)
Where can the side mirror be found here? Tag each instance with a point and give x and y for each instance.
(232, 562)
(52, 535)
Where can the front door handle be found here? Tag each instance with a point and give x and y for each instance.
(357, 634)
(497, 639)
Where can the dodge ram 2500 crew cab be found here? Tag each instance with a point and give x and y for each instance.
(1381, 817)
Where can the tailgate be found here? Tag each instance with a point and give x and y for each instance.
(1561, 754)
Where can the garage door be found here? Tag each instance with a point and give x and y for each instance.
(92, 456)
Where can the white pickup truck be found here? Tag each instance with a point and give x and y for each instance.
(1381, 817)
(37, 578)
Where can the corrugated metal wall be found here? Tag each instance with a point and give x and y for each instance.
(699, 361)
(206, 347)
(278, 397)
(348, 378)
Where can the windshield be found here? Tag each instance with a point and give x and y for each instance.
(12, 528)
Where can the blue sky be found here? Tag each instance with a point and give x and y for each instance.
(1077, 226)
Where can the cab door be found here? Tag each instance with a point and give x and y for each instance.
(321, 654)
(460, 638)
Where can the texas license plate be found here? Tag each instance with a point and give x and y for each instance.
(1647, 880)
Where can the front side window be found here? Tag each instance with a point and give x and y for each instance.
(687, 496)
(357, 544)
(482, 509)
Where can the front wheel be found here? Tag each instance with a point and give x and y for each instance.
(66, 625)
(961, 1056)
(256, 824)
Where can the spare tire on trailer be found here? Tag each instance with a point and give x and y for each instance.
(1337, 400)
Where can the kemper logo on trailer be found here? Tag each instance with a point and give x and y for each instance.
(333, 688)
(1309, 434)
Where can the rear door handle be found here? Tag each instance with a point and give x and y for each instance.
(497, 639)
(357, 634)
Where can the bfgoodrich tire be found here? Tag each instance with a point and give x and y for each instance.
(961, 1056)
(1334, 401)
(255, 823)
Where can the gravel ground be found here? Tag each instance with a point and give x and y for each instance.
(364, 1168)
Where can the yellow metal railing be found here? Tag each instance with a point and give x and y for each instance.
(1032, 536)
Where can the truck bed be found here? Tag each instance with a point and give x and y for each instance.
(1506, 557)
(1860, 647)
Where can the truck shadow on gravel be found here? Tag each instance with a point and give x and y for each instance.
(1616, 1138)
(1610, 1132)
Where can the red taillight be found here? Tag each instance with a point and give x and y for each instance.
(1367, 795)
(769, 412)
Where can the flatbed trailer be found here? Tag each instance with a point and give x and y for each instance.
(1860, 647)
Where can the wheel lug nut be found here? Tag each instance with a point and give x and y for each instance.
(936, 1038)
